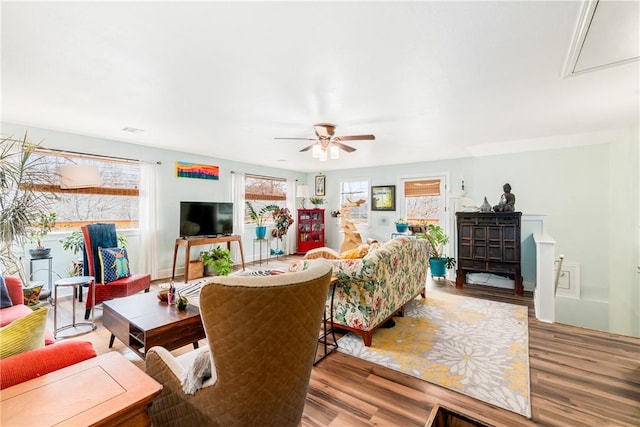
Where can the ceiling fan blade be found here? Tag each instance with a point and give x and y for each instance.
(307, 148)
(357, 138)
(302, 139)
(344, 147)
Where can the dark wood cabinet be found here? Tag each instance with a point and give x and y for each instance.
(489, 242)
(310, 229)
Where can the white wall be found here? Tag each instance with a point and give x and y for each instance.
(576, 190)
(171, 189)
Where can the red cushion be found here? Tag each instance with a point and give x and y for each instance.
(119, 288)
(31, 364)
(14, 286)
(15, 312)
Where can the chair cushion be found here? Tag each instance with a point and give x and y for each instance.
(5, 299)
(114, 263)
(32, 295)
(24, 334)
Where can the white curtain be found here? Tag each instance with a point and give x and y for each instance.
(291, 242)
(237, 191)
(148, 219)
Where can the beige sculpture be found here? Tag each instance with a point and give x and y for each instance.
(352, 236)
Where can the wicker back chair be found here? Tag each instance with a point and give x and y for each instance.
(262, 334)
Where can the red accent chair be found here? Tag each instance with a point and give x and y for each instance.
(105, 236)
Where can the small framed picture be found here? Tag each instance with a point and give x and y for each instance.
(383, 198)
(320, 185)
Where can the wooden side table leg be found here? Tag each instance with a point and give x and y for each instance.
(175, 257)
(241, 252)
(186, 262)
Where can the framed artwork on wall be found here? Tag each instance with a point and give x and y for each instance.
(383, 198)
(320, 185)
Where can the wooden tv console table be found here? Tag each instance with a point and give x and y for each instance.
(189, 242)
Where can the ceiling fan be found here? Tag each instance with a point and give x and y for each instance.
(325, 141)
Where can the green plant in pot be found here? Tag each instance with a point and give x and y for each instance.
(260, 218)
(438, 262)
(218, 259)
(38, 231)
(21, 204)
(402, 225)
(317, 201)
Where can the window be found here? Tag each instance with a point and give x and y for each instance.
(263, 191)
(115, 200)
(422, 201)
(354, 191)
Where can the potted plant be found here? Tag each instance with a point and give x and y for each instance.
(37, 231)
(260, 218)
(317, 201)
(437, 261)
(283, 219)
(217, 259)
(21, 205)
(402, 225)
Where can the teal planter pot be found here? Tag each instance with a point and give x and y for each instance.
(261, 231)
(438, 268)
(402, 228)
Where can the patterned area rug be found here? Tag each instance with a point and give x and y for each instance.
(476, 347)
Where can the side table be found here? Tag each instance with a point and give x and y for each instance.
(77, 282)
(260, 242)
(49, 270)
(328, 347)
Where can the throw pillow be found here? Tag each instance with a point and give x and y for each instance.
(5, 299)
(114, 263)
(32, 295)
(356, 253)
(24, 334)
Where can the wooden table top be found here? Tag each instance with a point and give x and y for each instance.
(97, 391)
(147, 312)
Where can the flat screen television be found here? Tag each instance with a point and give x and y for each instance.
(206, 218)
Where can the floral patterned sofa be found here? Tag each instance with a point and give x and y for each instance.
(372, 289)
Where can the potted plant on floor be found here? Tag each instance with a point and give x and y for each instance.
(260, 218)
(438, 263)
(218, 260)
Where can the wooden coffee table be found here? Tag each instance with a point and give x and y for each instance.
(107, 390)
(141, 321)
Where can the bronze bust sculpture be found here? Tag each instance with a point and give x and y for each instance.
(507, 200)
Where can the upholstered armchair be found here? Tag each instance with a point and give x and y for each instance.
(262, 333)
(104, 236)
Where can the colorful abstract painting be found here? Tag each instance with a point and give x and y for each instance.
(197, 170)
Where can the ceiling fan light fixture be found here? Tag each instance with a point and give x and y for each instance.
(323, 155)
(334, 152)
(316, 151)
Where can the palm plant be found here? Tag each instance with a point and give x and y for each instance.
(260, 217)
(22, 204)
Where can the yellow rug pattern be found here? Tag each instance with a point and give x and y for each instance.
(476, 347)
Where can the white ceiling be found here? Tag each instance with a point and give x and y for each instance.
(431, 80)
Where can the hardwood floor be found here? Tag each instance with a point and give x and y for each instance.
(579, 377)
